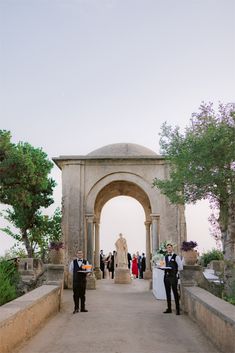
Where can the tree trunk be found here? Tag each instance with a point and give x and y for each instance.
(27, 243)
(229, 254)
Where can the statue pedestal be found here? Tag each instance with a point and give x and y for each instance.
(91, 282)
(97, 273)
(147, 274)
(122, 276)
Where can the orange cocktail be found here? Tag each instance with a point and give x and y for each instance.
(87, 267)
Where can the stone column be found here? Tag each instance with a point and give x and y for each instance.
(91, 281)
(90, 238)
(148, 272)
(97, 271)
(72, 214)
(155, 230)
(191, 276)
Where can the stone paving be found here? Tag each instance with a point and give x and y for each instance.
(121, 318)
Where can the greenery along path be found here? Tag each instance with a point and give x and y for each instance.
(121, 318)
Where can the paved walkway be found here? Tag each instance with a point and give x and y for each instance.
(121, 319)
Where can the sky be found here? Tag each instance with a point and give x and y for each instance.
(76, 75)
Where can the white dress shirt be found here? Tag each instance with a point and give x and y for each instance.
(178, 261)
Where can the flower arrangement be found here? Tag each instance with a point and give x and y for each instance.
(160, 254)
(162, 247)
(188, 245)
(56, 245)
(156, 258)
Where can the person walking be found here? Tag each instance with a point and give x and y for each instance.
(79, 281)
(174, 264)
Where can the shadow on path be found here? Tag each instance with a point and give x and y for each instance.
(121, 319)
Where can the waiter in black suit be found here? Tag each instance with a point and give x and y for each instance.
(171, 278)
(79, 281)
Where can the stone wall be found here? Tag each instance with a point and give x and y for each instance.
(32, 309)
(213, 315)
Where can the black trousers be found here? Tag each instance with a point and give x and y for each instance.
(102, 269)
(79, 294)
(170, 282)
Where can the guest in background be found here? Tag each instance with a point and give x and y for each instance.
(129, 258)
(138, 261)
(142, 265)
(110, 265)
(113, 263)
(102, 264)
(134, 266)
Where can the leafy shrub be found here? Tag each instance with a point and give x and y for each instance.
(208, 256)
(231, 300)
(15, 251)
(9, 279)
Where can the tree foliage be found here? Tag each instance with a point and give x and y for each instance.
(47, 229)
(201, 165)
(211, 255)
(24, 185)
(202, 159)
(9, 279)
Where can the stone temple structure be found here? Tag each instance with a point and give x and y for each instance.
(89, 181)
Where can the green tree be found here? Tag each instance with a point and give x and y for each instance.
(46, 230)
(9, 279)
(211, 255)
(201, 166)
(24, 185)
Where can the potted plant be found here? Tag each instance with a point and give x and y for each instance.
(56, 252)
(189, 253)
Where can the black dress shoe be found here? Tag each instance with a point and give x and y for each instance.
(84, 311)
(75, 311)
(167, 311)
(177, 312)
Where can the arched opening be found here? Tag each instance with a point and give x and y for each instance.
(137, 196)
(123, 214)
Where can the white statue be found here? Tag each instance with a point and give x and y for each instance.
(121, 257)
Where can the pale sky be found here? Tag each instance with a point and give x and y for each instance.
(76, 75)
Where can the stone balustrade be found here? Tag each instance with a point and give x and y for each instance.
(22, 317)
(214, 316)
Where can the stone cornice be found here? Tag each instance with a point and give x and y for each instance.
(62, 160)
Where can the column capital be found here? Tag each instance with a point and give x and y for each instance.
(147, 223)
(155, 216)
(97, 221)
(90, 218)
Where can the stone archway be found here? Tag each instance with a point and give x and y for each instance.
(122, 188)
(88, 182)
